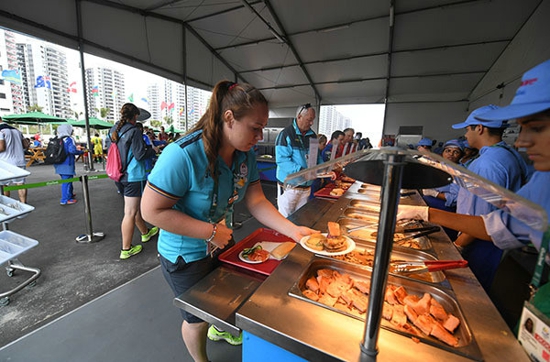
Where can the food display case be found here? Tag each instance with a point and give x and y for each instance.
(281, 320)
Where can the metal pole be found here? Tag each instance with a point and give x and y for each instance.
(393, 171)
(90, 236)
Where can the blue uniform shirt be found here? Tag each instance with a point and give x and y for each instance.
(506, 231)
(181, 173)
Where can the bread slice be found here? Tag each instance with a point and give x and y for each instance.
(281, 251)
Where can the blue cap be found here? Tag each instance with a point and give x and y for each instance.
(472, 120)
(424, 142)
(454, 143)
(532, 96)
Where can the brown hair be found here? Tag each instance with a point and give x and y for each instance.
(226, 95)
(127, 113)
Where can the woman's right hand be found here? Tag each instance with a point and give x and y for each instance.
(222, 237)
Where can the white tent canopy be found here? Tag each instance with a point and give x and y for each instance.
(423, 58)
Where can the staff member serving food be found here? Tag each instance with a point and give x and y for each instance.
(192, 189)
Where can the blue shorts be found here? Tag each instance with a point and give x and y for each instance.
(181, 276)
(131, 189)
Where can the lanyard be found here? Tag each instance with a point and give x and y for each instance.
(237, 181)
(541, 261)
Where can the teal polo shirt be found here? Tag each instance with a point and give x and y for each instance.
(181, 173)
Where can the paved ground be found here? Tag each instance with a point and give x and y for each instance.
(72, 274)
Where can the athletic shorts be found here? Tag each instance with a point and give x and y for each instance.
(131, 189)
(181, 276)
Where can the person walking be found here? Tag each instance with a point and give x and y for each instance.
(66, 169)
(133, 153)
(12, 150)
(192, 190)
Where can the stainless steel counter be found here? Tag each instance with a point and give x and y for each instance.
(319, 334)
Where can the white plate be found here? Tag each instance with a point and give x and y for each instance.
(351, 246)
(248, 260)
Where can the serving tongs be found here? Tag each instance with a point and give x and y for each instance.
(416, 267)
(416, 232)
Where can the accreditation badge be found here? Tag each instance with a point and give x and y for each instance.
(534, 333)
(241, 178)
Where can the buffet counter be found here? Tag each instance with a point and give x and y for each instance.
(281, 326)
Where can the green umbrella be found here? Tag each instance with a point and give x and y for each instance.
(94, 123)
(33, 118)
(171, 129)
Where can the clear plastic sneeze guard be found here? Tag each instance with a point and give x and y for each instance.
(324, 168)
(520, 208)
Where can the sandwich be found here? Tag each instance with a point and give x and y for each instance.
(334, 242)
(316, 241)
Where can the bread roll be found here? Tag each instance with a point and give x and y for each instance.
(281, 251)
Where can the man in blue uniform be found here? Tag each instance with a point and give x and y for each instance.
(291, 154)
(498, 163)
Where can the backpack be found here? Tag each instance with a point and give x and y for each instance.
(55, 152)
(113, 168)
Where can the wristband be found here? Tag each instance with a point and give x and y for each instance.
(214, 229)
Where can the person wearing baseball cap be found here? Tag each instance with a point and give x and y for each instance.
(424, 145)
(470, 154)
(531, 110)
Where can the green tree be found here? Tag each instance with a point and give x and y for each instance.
(103, 112)
(35, 108)
(155, 123)
(168, 120)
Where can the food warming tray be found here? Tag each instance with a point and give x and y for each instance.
(467, 345)
(396, 255)
(231, 256)
(422, 243)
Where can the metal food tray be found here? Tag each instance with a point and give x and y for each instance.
(467, 345)
(396, 255)
(10, 171)
(364, 234)
(373, 206)
(13, 244)
(10, 208)
(361, 215)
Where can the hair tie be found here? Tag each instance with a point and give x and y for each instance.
(232, 86)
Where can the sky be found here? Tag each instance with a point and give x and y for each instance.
(366, 118)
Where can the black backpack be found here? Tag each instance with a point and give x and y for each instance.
(55, 152)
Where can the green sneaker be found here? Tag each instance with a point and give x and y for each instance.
(125, 254)
(152, 232)
(216, 335)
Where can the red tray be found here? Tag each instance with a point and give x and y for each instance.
(325, 192)
(231, 256)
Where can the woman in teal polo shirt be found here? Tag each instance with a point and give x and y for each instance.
(192, 189)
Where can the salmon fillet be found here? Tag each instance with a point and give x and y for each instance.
(451, 323)
(399, 318)
(423, 305)
(437, 310)
(327, 300)
(312, 284)
(400, 293)
(443, 335)
(310, 295)
(363, 287)
(387, 311)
